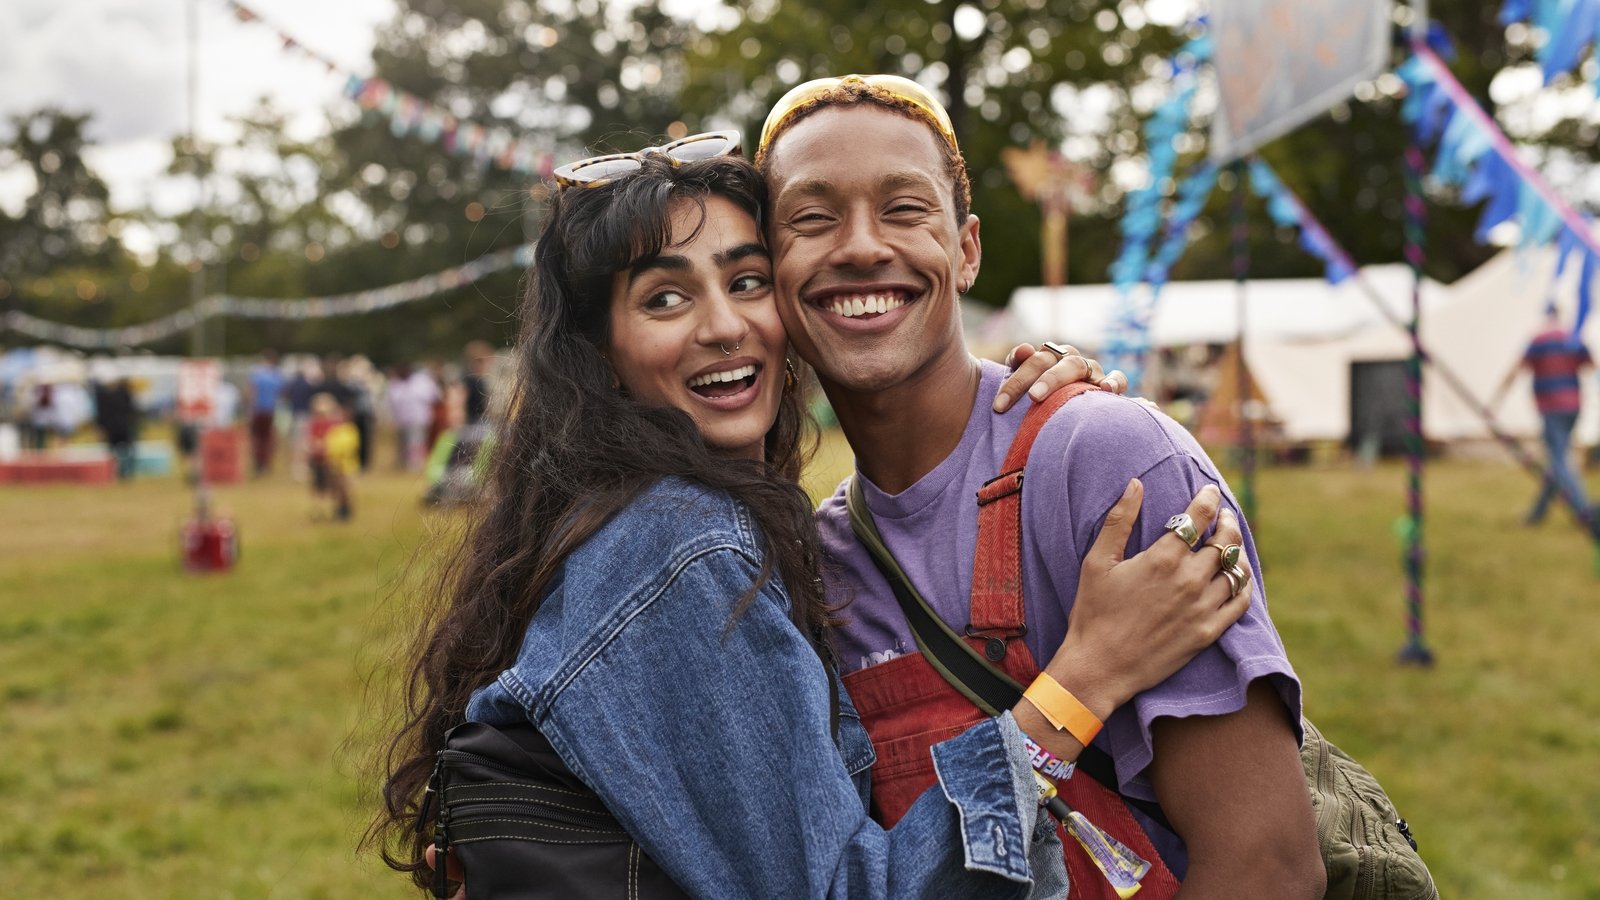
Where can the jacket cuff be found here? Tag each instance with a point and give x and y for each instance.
(984, 773)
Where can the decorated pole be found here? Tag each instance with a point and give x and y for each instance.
(1241, 271)
(1415, 652)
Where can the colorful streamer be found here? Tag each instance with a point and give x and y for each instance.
(409, 114)
(1473, 154)
(1570, 26)
(1128, 337)
(359, 302)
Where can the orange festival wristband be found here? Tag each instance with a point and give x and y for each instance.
(1062, 710)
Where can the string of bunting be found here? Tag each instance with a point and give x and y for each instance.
(1569, 27)
(1475, 156)
(409, 114)
(356, 303)
(1127, 338)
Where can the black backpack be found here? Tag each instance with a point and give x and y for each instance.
(524, 827)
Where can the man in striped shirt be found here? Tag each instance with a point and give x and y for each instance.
(1556, 358)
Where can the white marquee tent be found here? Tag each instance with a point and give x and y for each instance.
(1302, 337)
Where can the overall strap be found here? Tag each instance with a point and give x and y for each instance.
(997, 609)
(997, 567)
(988, 688)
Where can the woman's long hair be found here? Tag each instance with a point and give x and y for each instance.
(573, 452)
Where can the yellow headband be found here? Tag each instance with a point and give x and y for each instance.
(802, 96)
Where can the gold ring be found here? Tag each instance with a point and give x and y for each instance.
(1230, 555)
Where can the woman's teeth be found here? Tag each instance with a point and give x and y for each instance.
(866, 304)
(718, 377)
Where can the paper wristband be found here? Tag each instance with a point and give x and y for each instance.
(1063, 711)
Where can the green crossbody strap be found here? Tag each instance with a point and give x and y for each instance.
(953, 658)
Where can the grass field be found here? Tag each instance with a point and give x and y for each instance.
(170, 735)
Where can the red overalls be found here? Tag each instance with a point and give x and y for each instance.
(907, 706)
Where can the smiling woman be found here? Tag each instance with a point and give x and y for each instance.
(695, 327)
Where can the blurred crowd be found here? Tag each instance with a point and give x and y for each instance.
(318, 419)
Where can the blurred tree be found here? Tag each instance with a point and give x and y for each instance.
(64, 221)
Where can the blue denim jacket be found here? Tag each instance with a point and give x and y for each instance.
(710, 742)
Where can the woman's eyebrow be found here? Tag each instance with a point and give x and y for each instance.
(743, 251)
(671, 263)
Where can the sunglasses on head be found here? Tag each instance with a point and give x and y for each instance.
(598, 170)
(801, 96)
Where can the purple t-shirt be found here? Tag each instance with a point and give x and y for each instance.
(1079, 467)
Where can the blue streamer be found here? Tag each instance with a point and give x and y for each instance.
(1591, 268)
(1566, 42)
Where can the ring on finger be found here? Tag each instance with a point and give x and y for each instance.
(1096, 373)
(1238, 579)
(1182, 525)
(1061, 352)
(1230, 555)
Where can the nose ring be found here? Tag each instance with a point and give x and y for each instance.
(725, 350)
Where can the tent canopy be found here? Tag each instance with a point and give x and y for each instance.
(1303, 335)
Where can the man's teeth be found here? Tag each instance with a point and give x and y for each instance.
(715, 377)
(864, 304)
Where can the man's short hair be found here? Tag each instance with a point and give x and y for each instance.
(855, 91)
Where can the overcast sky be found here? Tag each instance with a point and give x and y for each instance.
(126, 63)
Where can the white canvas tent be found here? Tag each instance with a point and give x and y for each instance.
(1303, 336)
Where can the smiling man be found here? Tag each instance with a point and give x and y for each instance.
(874, 242)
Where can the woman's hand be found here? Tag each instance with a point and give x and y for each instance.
(452, 868)
(1136, 621)
(1040, 372)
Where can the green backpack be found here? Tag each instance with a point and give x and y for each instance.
(1366, 847)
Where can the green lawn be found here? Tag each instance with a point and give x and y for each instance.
(172, 735)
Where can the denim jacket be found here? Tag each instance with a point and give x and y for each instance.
(710, 740)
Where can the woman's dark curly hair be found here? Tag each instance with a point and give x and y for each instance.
(573, 452)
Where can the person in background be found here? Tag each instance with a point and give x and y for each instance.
(334, 453)
(299, 390)
(445, 403)
(475, 382)
(264, 389)
(355, 374)
(116, 415)
(411, 395)
(1555, 357)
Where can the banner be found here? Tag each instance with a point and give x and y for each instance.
(409, 114)
(259, 308)
(1282, 62)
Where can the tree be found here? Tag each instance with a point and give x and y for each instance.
(63, 222)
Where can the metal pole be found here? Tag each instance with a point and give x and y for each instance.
(1415, 652)
(1241, 271)
(197, 275)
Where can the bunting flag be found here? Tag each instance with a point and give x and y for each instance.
(1569, 27)
(409, 114)
(1474, 155)
(1128, 339)
(357, 303)
(1286, 211)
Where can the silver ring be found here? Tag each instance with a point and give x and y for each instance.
(1182, 525)
(725, 350)
(1238, 579)
(1057, 349)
